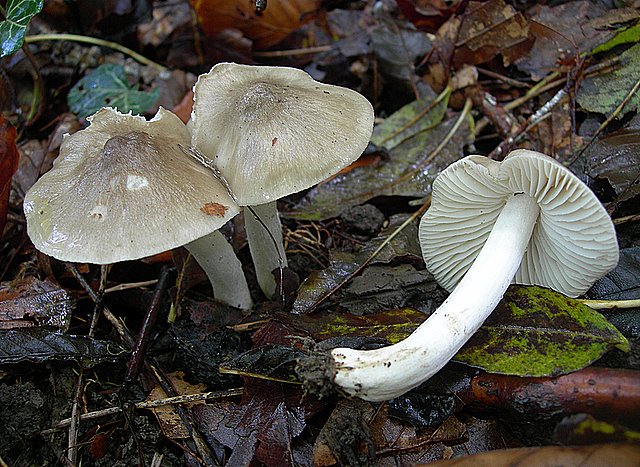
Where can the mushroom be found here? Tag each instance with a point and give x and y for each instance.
(123, 189)
(271, 132)
(528, 220)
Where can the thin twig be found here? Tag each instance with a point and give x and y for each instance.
(137, 354)
(148, 405)
(611, 304)
(371, 257)
(94, 41)
(293, 52)
(130, 285)
(609, 119)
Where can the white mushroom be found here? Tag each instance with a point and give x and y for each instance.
(123, 189)
(528, 220)
(271, 132)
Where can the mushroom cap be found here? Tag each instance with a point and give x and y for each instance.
(573, 242)
(273, 131)
(123, 189)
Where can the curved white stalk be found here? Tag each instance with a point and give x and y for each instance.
(383, 374)
(215, 255)
(267, 252)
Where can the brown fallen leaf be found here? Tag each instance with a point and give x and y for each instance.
(489, 29)
(618, 455)
(8, 165)
(280, 18)
(168, 418)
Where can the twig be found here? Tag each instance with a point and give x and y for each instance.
(166, 275)
(609, 119)
(130, 285)
(371, 257)
(148, 405)
(625, 219)
(95, 41)
(293, 52)
(611, 304)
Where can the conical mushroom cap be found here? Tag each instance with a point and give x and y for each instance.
(273, 131)
(123, 189)
(573, 242)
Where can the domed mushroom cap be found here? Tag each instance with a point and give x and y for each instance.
(122, 189)
(273, 131)
(573, 242)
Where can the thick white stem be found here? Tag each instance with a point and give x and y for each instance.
(383, 374)
(215, 255)
(264, 249)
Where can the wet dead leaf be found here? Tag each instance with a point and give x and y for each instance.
(616, 157)
(408, 172)
(489, 29)
(539, 332)
(38, 345)
(31, 302)
(261, 427)
(584, 429)
(561, 32)
(604, 92)
(607, 454)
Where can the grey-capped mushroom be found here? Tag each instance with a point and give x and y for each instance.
(527, 219)
(123, 189)
(271, 132)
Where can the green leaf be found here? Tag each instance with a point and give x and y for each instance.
(539, 332)
(13, 28)
(629, 35)
(107, 86)
(604, 92)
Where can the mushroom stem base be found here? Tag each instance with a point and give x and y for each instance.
(215, 255)
(383, 374)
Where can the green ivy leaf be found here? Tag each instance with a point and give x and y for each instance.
(13, 28)
(107, 86)
(539, 332)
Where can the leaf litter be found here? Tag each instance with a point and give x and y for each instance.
(421, 65)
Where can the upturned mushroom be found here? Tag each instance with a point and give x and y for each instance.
(123, 189)
(526, 219)
(271, 132)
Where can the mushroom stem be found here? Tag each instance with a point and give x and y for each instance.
(266, 244)
(215, 255)
(389, 372)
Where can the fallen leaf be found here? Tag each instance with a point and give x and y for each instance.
(168, 417)
(618, 455)
(31, 302)
(9, 159)
(38, 345)
(261, 427)
(561, 32)
(280, 18)
(616, 157)
(408, 171)
(604, 92)
(538, 332)
(584, 429)
(489, 29)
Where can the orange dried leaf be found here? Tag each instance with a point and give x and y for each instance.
(9, 158)
(275, 23)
